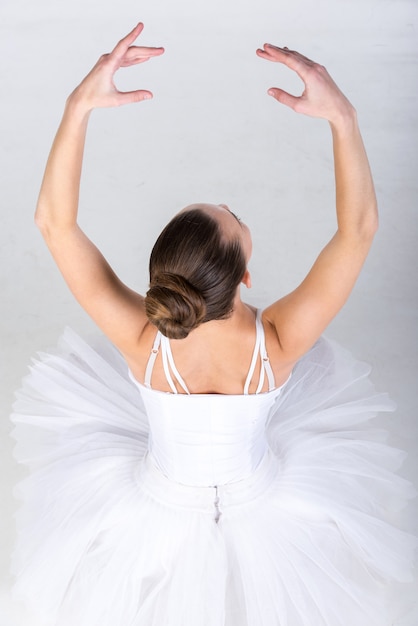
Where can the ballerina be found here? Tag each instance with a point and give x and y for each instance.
(209, 466)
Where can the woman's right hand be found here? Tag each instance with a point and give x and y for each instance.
(98, 88)
(321, 96)
(116, 309)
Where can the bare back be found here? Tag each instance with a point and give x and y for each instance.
(214, 358)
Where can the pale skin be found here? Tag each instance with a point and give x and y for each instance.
(293, 323)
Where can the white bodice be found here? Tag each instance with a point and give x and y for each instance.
(207, 440)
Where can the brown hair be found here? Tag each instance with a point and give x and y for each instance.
(194, 274)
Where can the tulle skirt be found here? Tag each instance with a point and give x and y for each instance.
(105, 539)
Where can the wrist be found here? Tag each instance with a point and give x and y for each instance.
(345, 122)
(77, 108)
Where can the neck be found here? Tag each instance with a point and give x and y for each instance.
(242, 314)
(241, 311)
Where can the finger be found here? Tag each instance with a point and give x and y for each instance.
(291, 59)
(122, 46)
(269, 50)
(133, 62)
(134, 53)
(130, 97)
(283, 97)
(301, 56)
(265, 54)
(144, 51)
(290, 53)
(274, 54)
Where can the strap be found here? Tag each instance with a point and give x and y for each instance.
(151, 360)
(168, 362)
(265, 367)
(265, 361)
(268, 369)
(254, 358)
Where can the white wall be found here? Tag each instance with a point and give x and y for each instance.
(211, 134)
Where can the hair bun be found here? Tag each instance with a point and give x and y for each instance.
(173, 305)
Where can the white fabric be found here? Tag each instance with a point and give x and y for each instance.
(207, 439)
(267, 510)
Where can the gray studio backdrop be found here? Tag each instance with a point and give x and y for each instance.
(210, 134)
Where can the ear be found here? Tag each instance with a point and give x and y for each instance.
(246, 279)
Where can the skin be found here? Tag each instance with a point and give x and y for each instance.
(293, 323)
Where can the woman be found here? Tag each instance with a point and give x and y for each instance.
(242, 494)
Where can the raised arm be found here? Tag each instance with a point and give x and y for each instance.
(300, 317)
(118, 310)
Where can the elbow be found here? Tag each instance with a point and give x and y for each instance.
(370, 225)
(41, 215)
(49, 223)
(363, 229)
(367, 222)
(375, 226)
(41, 222)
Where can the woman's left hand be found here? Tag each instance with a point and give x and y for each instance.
(98, 88)
(321, 96)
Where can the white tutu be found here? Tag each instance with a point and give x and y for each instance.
(105, 539)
